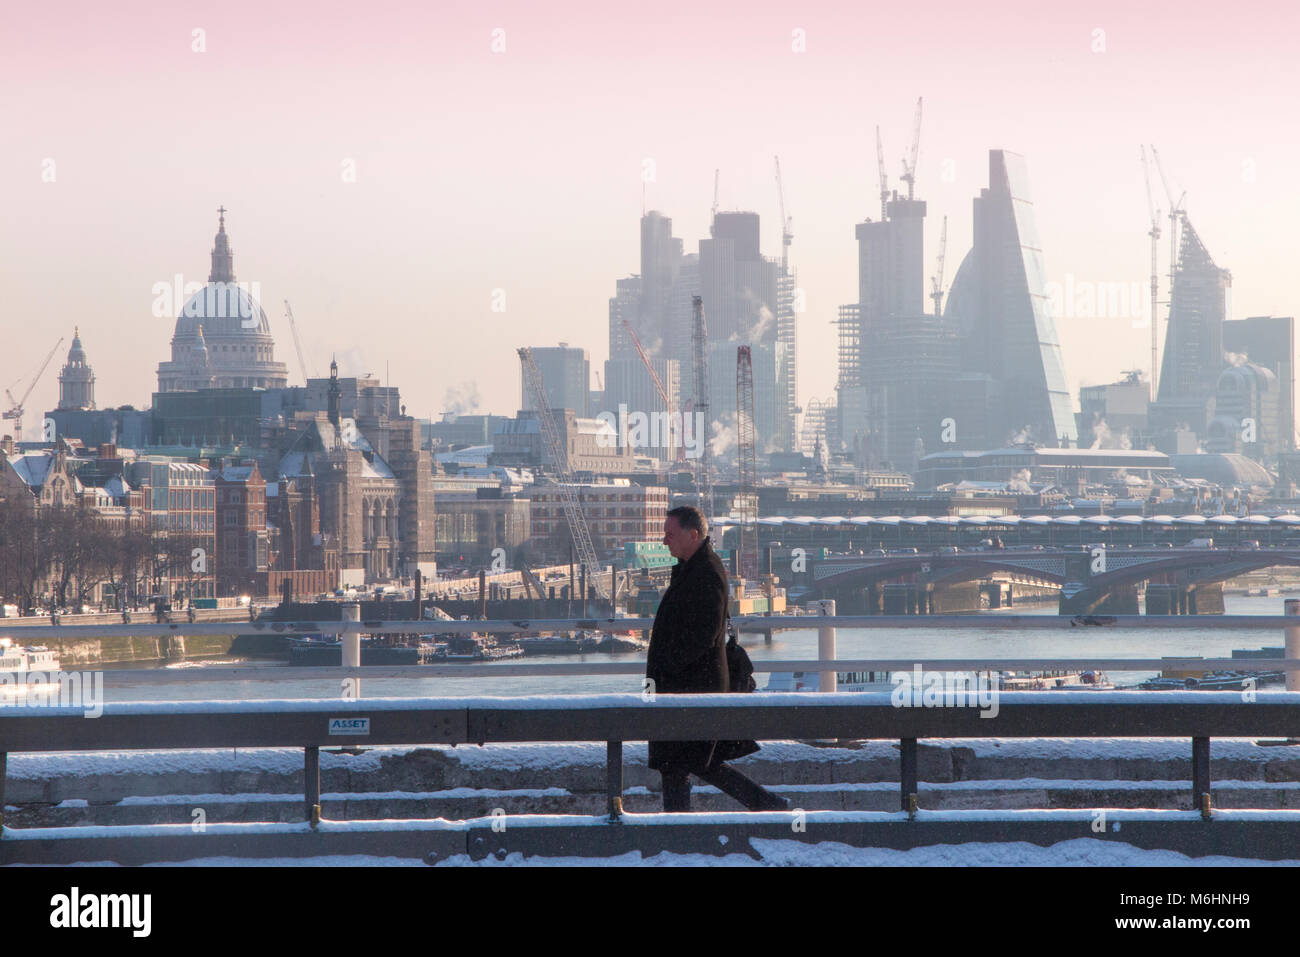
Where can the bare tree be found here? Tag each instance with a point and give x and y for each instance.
(127, 552)
(28, 552)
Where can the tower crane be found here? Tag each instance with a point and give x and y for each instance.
(936, 281)
(293, 327)
(909, 165)
(654, 377)
(564, 474)
(884, 179)
(15, 410)
(1154, 233)
(1176, 214)
(787, 226)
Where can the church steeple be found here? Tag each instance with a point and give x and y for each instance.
(223, 257)
(332, 405)
(77, 380)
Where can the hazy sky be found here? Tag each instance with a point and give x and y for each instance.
(521, 170)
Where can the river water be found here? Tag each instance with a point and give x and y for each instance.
(851, 643)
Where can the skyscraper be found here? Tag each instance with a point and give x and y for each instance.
(566, 375)
(740, 290)
(1000, 306)
(748, 300)
(1193, 356)
(1269, 341)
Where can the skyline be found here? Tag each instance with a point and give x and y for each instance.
(514, 171)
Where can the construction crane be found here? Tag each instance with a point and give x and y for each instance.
(787, 226)
(654, 377)
(884, 179)
(700, 366)
(15, 410)
(564, 474)
(746, 466)
(936, 281)
(909, 165)
(293, 327)
(1154, 233)
(713, 216)
(1176, 214)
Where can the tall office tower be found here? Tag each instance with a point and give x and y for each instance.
(904, 359)
(681, 311)
(787, 384)
(891, 268)
(738, 286)
(630, 389)
(1269, 341)
(77, 380)
(1193, 357)
(1000, 307)
(566, 373)
(646, 303)
(624, 306)
(849, 428)
(661, 255)
(912, 368)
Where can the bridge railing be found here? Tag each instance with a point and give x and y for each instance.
(616, 719)
(747, 624)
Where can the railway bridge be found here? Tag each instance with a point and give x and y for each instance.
(1097, 579)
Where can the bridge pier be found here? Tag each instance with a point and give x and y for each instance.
(998, 594)
(928, 598)
(1180, 599)
(1116, 600)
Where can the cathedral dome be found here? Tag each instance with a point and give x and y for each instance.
(222, 309)
(222, 337)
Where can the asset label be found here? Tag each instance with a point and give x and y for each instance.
(350, 726)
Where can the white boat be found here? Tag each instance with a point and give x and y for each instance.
(25, 659)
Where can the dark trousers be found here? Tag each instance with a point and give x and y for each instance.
(677, 790)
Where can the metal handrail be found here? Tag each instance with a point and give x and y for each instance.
(254, 672)
(746, 624)
(312, 724)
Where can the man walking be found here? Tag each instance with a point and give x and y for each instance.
(688, 655)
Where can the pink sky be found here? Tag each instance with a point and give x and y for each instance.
(522, 170)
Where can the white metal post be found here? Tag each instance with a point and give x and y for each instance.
(827, 680)
(352, 641)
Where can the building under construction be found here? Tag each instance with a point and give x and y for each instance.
(983, 372)
(1193, 354)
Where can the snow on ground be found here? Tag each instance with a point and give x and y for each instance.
(1080, 852)
(259, 797)
(542, 755)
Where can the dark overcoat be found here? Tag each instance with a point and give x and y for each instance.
(688, 654)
